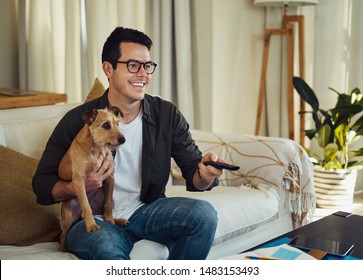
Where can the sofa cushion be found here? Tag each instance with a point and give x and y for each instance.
(28, 137)
(23, 220)
(240, 209)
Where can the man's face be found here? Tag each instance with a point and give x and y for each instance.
(126, 85)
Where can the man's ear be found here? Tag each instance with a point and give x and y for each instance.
(107, 68)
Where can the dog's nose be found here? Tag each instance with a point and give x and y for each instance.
(121, 140)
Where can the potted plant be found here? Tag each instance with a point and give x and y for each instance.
(335, 130)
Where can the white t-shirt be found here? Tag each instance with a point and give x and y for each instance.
(126, 194)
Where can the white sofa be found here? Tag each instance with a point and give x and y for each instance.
(271, 193)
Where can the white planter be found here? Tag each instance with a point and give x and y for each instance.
(334, 189)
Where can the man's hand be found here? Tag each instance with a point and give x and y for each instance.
(100, 172)
(205, 175)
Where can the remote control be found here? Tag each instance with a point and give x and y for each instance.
(221, 165)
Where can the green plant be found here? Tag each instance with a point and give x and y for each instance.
(335, 129)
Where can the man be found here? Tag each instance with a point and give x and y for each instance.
(155, 131)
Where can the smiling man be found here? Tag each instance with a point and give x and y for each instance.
(155, 132)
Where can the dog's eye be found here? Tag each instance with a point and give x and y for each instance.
(106, 126)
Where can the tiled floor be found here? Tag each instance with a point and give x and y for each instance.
(355, 208)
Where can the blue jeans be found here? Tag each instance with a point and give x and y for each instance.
(186, 226)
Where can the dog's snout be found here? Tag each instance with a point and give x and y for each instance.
(121, 140)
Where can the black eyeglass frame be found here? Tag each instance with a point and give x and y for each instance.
(143, 64)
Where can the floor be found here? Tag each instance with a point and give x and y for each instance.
(355, 208)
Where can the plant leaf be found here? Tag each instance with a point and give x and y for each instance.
(310, 133)
(358, 153)
(324, 135)
(355, 165)
(347, 109)
(306, 93)
(358, 126)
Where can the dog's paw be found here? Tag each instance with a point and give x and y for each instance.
(110, 220)
(121, 222)
(93, 227)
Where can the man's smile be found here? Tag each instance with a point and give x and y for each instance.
(138, 84)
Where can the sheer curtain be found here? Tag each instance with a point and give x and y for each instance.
(339, 45)
(65, 40)
(169, 25)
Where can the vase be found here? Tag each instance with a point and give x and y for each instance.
(334, 188)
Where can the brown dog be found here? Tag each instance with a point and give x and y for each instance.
(100, 135)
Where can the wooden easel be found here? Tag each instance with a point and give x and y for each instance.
(286, 30)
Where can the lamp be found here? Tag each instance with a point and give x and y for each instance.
(287, 29)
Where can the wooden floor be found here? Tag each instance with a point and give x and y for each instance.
(355, 208)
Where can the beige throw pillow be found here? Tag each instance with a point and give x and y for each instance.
(96, 91)
(23, 220)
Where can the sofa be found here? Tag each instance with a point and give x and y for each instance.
(272, 192)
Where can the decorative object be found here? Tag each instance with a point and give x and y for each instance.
(334, 188)
(335, 130)
(287, 29)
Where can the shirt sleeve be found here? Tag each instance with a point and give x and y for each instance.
(185, 152)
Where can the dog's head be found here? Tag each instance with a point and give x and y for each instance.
(103, 127)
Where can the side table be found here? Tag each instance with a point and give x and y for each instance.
(11, 98)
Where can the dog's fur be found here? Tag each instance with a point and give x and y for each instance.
(100, 135)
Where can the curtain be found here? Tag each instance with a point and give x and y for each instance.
(99, 20)
(169, 25)
(339, 45)
(53, 47)
(65, 40)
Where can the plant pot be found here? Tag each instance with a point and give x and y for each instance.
(334, 189)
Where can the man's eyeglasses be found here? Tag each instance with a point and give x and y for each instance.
(134, 66)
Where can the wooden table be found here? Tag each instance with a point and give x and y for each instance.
(28, 98)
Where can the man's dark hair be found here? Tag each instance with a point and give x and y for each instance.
(111, 49)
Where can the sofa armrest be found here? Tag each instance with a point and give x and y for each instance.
(265, 162)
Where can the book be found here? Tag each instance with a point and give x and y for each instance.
(280, 252)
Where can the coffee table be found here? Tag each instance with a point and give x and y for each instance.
(332, 227)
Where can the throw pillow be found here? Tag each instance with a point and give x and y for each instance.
(23, 220)
(96, 91)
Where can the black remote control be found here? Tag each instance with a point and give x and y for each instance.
(221, 165)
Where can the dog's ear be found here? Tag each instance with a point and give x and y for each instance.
(116, 111)
(90, 116)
